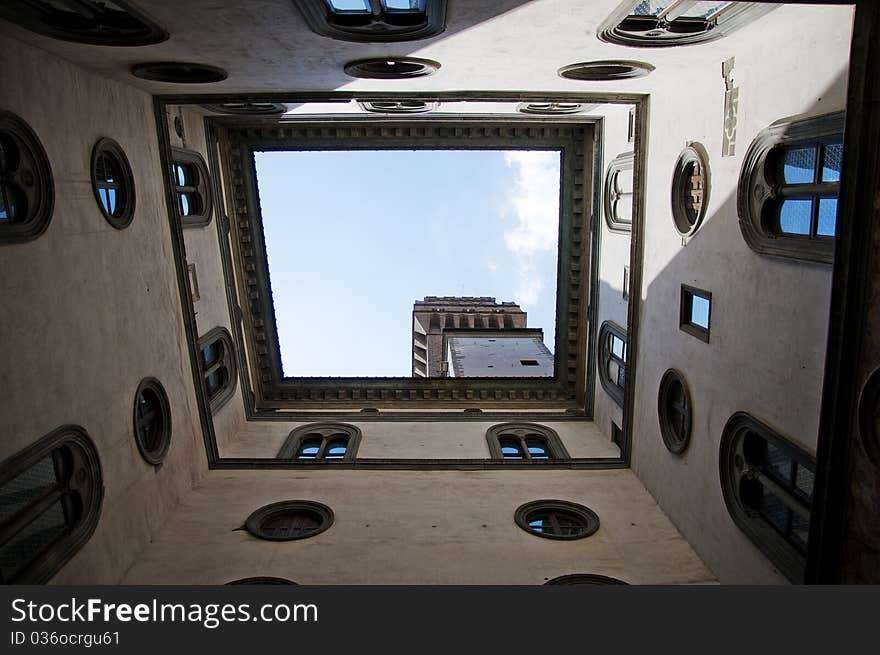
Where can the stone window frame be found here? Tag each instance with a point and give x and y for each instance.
(612, 388)
(262, 580)
(193, 163)
(584, 578)
(685, 315)
(31, 17)
(676, 440)
(152, 454)
(620, 26)
(226, 360)
(869, 417)
(68, 446)
(682, 193)
(124, 186)
(759, 186)
(254, 522)
(735, 470)
(35, 174)
(377, 29)
(590, 519)
(625, 161)
(294, 440)
(555, 448)
(273, 391)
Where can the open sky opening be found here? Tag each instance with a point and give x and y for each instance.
(354, 237)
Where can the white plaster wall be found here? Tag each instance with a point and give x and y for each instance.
(418, 527)
(418, 440)
(769, 315)
(203, 249)
(613, 256)
(87, 311)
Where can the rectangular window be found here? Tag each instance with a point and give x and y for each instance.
(696, 310)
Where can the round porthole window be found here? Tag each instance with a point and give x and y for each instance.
(261, 581)
(690, 189)
(397, 106)
(584, 578)
(869, 417)
(549, 108)
(152, 420)
(289, 520)
(390, 68)
(674, 409)
(26, 191)
(606, 70)
(248, 108)
(113, 183)
(176, 72)
(557, 519)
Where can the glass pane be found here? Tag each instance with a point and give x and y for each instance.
(105, 199)
(623, 209)
(336, 448)
(704, 9)
(511, 449)
(799, 165)
(617, 346)
(831, 162)
(803, 483)
(800, 530)
(180, 175)
(778, 464)
(537, 448)
(537, 525)
(215, 381)
(184, 204)
(309, 447)
(111, 199)
(651, 7)
(700, 311)
(794, 217)
(4, 215)
(26, 487)
(827, 217)
(775, 511)
(349, 5)
(290, 523)
(406, 5)
(28, 543)
(211, 353)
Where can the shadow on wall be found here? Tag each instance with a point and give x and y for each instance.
(765, 356)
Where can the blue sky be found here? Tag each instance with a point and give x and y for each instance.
(354, 237)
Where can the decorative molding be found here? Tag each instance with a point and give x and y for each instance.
(625, 161)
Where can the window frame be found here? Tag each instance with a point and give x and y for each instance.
(693, 154)
(273, 391)
(524, 513)
(675, 443)
(555, 448)
(584, 578)
(294, 440)
(612, 388)
(759, 185)
(685, 315)
(192, 160)
(39, 212)
(759, 530)
(154, 456)
(125, 188)
(253, 523)
(732, 19)
(623, 162)
(226, 360)
(54, 556)
(324, 21)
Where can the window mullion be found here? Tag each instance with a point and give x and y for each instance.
(785, 496)
(30, 513)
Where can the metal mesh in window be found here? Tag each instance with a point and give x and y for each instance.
(28, 543)
(30, 485)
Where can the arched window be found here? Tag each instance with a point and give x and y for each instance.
(612, 360)
(322, 442)
(767, 483)
(26, 189)
(50, 500)
(375, 20)
(675, 411)
(788, 188)
(525, 441)
(289, 520)
(677, 22)
(192, 188)
(152, 421)
(219, 370)
(619, 193)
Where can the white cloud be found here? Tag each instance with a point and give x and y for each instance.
(534, 205)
